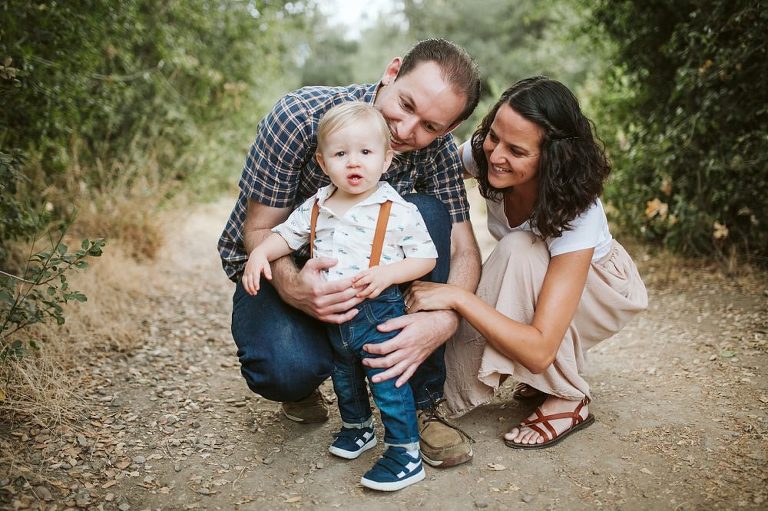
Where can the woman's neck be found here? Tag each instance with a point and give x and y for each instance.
(519, 203)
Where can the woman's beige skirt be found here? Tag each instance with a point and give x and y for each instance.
(511, 281)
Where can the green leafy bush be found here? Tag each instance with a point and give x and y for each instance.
(101, 99)
(687, 101)
(38, 294)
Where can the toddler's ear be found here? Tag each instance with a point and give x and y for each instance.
(320, 160)
(388, 158)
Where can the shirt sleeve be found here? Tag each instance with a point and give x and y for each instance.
(282, 147)
(415, 239)
(467, 160)
(586, 232)
(445, 180)
(295, 229)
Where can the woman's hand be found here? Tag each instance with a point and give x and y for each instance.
(428, 296)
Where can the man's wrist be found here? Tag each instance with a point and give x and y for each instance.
(284, 273)
(448, 319)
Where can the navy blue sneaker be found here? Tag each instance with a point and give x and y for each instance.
(352, 442)
(396, 469)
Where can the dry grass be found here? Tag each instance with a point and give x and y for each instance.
(45, 388)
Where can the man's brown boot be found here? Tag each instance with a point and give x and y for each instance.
(310, 410)
(442, 444)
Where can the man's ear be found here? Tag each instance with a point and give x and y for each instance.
(453, 127)
(390, 73)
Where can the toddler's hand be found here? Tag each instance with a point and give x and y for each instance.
(372, 281)
(257, 263)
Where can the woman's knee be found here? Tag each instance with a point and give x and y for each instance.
(523, 244)
(520, 254)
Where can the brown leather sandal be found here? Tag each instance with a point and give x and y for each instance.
(577, 423)
(524, 392)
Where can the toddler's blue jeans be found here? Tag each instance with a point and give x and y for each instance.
(396, 405)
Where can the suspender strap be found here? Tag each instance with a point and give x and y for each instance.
(381, 230)
(378, 236)
(312, 225)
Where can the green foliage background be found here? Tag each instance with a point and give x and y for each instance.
(98, 94)
(106, 98)
(686, 107)
(110, 107)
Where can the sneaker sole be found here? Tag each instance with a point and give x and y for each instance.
(351, 455)
(301, 420)
(395, 485)
(447, 462)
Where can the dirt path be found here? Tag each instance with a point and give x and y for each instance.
(680, 399)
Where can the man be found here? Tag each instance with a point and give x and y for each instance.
(282, 347)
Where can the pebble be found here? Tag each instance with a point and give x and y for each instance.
(139, 460)
(43, 493)
(124, 506)
(481, 504)
(527, 498)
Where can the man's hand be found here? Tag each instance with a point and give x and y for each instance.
(308, 291)
(421, 334)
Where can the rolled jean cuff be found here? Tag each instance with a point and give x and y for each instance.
(358, 425)
(411, 446)
(429, 402)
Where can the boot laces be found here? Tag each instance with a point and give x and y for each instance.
(434, 414)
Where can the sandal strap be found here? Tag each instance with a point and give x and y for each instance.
(541, 432)
(544, 420)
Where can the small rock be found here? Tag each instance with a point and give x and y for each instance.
(82, 441)
(319, 465)
(43, 493)
(481, 504)
(177, 467)
(139, 460)
(267, 461)
(124, 506)
(527, 498)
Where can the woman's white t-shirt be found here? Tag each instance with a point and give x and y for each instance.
(588, 230)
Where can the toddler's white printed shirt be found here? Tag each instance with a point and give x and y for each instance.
(349, 238)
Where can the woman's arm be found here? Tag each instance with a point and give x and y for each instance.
(534, 346)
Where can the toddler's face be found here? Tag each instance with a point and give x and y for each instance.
(355, 157)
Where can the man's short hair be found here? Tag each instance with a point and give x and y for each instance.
(341, 116)
(458, 68)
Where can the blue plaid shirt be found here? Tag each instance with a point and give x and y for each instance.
(281, 170)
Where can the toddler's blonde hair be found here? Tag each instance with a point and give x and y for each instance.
(341, 116)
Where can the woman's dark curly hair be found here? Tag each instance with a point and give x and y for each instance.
(572, 161)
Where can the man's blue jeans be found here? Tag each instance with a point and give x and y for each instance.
(285, 354)
(396, 405)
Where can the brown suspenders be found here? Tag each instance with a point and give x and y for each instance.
(378, 236)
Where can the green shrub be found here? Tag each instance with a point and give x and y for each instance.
(688, 107)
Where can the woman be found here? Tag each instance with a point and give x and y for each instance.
(556, 284)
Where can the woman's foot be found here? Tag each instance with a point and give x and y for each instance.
(524, 392)
(555, 419)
